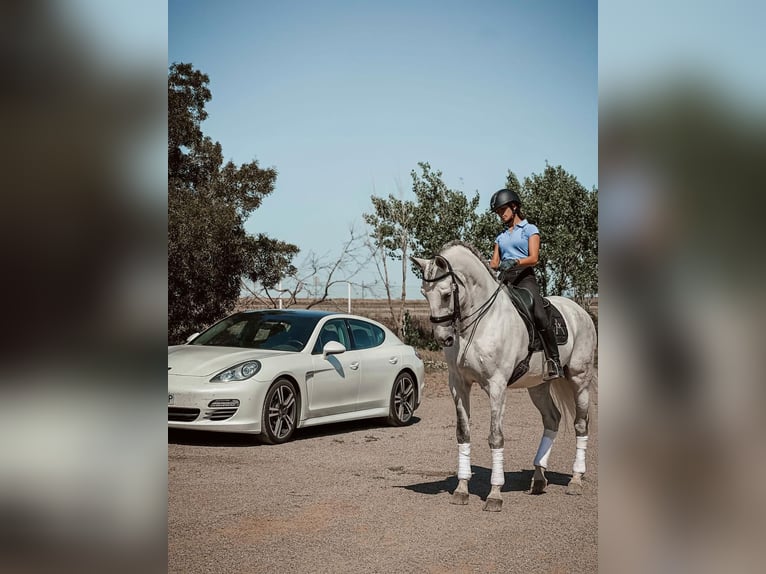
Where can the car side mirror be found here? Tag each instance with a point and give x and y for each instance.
(191, 337)
(333, 348)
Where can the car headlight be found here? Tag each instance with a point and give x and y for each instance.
(237, 372)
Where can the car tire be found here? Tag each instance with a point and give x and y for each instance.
(403, 397)
(280, 412)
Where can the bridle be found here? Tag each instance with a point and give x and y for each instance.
(455, 317)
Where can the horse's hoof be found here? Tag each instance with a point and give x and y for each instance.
(460, 498)
(493, 505)
(574, 488)
(538, 486)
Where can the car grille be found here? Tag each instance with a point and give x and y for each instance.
(219, 414)
(181, 414)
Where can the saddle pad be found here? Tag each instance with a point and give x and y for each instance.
(558, 324)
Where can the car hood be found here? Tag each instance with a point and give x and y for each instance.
(201, 361)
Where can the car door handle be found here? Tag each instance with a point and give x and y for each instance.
(354, 366)
(393, 360)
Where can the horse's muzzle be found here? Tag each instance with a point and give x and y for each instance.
(449, 341)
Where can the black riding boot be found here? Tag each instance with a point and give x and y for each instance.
(552, 367)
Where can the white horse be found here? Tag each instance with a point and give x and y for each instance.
(484, 339)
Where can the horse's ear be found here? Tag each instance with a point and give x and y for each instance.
(422, 263)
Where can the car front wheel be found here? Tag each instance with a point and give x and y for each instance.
(402, 400)
(280, 412)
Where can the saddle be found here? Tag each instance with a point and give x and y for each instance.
(524, 303)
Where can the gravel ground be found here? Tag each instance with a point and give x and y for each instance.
(365, 497)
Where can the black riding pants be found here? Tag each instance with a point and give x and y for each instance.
(527, 280)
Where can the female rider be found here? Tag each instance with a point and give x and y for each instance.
(516, 251)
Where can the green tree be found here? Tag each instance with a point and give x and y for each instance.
(270, 260)
(567, 215)
(421, 227)
(443, 215)
(208, 202)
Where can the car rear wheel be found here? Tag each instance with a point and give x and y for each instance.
(280, 412)
(402, 400)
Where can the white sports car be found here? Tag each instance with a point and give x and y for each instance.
(270, 372)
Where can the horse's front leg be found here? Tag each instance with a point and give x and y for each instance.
(494, 501)
(461, 393)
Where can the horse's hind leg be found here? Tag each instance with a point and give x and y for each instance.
(579, 381)
(541, 398)
(462, 396)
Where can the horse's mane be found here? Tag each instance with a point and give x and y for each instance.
(470, 248)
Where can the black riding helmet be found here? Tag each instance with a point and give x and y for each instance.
(503, 197)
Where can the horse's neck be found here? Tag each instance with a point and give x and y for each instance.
(483, 287)
(480, 282)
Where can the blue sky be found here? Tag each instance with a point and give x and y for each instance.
(345, 98)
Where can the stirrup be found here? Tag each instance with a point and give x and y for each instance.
(549, 373)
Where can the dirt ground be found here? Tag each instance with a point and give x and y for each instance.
(366, 497)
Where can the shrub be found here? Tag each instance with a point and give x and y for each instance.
(418, 334)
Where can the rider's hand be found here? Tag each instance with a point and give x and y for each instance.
(506, 264)
(507, 270)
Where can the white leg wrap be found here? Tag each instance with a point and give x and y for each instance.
(498, 476)
(581, 446)
(544, 450)
(464, 461)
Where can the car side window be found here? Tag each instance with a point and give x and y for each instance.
(334, 330)
(365, 335)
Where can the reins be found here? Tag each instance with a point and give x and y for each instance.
(480, 312)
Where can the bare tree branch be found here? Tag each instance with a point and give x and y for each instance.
(391, 223)
(258, 297)
(327, 271)
(379, 258)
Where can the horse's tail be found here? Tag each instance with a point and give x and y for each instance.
(564, 399)
(583, 329)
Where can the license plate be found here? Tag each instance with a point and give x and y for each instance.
(171, 399)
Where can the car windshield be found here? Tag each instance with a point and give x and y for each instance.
(260, 330)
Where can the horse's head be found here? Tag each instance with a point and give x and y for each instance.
(440, 289)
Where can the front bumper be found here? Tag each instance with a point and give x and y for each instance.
(189, 407)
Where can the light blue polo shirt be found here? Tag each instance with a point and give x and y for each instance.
(514, 243)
